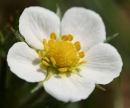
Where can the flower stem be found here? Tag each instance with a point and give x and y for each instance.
(2, 81)
(118, 99)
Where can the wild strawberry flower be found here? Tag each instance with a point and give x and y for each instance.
(67, 56)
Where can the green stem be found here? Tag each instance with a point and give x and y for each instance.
(2, 81)
(118, 99)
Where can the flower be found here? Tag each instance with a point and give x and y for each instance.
(68, 57)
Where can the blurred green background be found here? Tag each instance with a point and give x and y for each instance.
(15, 92)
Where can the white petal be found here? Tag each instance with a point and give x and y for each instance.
(24, 62)
(103, 64)
(72, 88)
(37, 23)
(85, 25)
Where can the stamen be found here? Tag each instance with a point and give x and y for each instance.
(75, 61)
(70, 37)
(82, 62)
(40, 54)
(53, 36)
(81, 54)
(44, 42)
(50, 42)
(61, 54)
(53, 60)
(77, 43)
(78, 47)
(47, 59)
(45, 63)
(71, 69)
(46, 48)
(62, 69)
(64, 37)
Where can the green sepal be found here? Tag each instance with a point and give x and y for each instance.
(109, 38)
(58, 11)
(21, 38)
(18, 35)
(76, 72)
(39, 85)
(100, 87)
(50, 72)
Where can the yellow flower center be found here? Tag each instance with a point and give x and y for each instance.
(61, 53)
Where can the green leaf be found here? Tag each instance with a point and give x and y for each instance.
(18, 35)
(110, 38)
(100, 87)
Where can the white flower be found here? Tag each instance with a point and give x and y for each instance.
(72, 51)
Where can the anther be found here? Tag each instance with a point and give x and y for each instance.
(53, 36)
(81, 54)
(45, 63)
(53, 60)
(76, 43)
(62, 69)
(64, 37)
(78, 47)
(44, 42)
(70, 37)
(82, 62)
(46, 47)
(47, 59)
(76, 60)
(71, 69)
(40, 54)
(50, 42)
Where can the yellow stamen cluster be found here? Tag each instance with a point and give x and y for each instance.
(61, 53)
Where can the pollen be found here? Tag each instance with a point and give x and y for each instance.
(61, 53)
